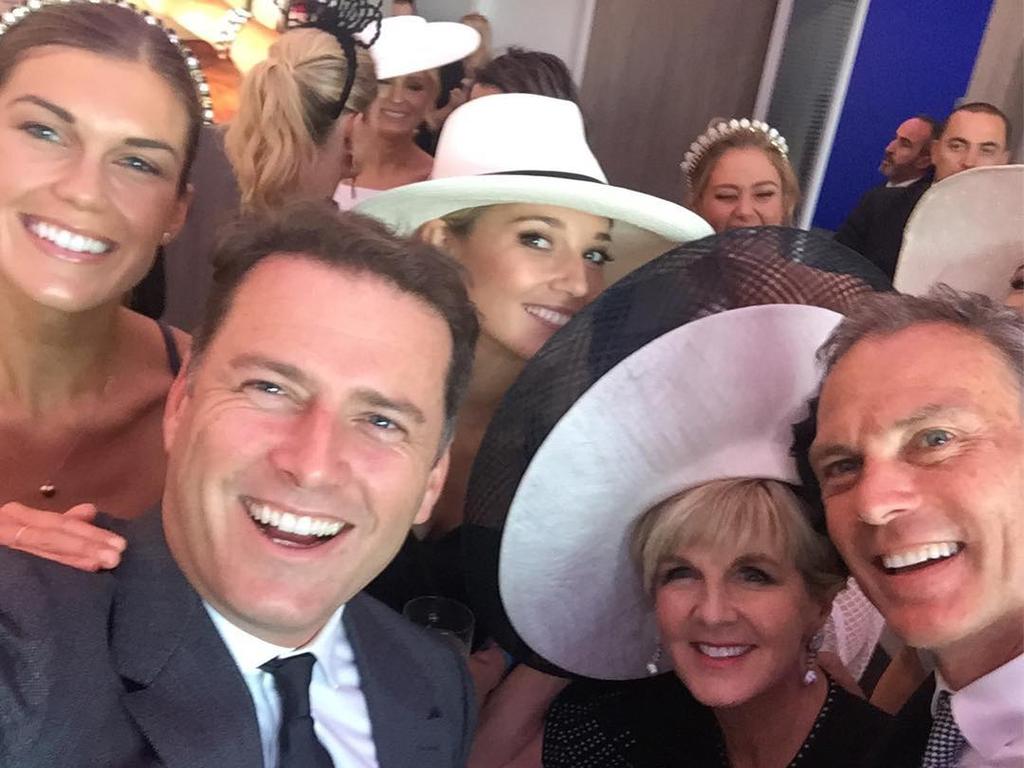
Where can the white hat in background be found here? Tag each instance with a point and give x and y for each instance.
(713, 399)
(410, 44)
(524, 148)
(967, 231)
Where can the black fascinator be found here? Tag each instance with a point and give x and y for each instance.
(343, 20)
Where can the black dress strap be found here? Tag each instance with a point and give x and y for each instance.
(173, 355)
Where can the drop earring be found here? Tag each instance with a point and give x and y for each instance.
(652, 665)
(813, 646)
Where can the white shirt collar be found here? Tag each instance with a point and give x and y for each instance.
(250, 652)
(901, 184)
(990, 711)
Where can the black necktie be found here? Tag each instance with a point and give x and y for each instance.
(297, 744)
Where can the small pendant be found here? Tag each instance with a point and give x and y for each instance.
(49, 490)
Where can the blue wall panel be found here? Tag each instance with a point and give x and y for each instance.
(914, 56)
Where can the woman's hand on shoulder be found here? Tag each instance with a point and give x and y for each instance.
(69, 538)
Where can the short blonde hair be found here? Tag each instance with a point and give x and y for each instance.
(737, 511)
(287, 108)
(697, 180)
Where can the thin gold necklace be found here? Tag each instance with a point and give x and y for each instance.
(49, 489)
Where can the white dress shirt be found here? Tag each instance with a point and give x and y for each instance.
(336, 700)
(990, 714)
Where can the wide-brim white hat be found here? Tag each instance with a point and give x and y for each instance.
(408, 44)
(713, 399)
(967, 231)
(524, 148)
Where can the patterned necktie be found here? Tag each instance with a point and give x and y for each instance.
(945, 742)
(297, 744)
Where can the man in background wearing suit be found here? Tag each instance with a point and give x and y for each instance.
(309, 432)
(918, 452)
(974, 134)
(875, 227)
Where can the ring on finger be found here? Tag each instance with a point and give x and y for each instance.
(18, 535)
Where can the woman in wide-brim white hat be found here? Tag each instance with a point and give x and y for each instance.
(968, 232)
(407, 54)
(518, 198)
(695, 555)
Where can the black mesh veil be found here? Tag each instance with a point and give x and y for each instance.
(746, 267)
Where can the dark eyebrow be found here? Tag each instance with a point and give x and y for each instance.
(376, 399)
(557, 224)
(67, 117)
(287, 370)
(60, 112)
(151, 144)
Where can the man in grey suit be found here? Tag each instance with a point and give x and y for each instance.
(307, 434)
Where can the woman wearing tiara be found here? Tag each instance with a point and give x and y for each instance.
(99, 116)
(737, 174)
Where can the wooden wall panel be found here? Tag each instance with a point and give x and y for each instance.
(658, 70)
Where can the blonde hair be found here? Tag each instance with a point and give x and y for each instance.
(287, 108)
(736, 512)
(697, 180)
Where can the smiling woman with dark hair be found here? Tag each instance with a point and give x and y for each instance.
(99, 117)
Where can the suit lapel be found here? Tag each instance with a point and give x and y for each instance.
(182, 687)
(408, 727)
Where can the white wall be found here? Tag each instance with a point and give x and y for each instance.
(561, 27)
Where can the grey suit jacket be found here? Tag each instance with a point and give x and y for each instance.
(125, 669)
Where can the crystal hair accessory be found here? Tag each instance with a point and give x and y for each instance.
(723, 130)
(342, 19)
(18, 13)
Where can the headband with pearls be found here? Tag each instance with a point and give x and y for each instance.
(724, 130)
(16, 14)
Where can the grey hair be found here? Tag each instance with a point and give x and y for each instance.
(880, 314)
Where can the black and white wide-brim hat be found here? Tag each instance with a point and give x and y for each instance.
(966, 231)
(524, 148)
(693, 368)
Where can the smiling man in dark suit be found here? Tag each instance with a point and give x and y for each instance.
(308, 433)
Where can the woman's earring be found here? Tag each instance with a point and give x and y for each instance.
(652, 665)
(166, 238)
(813, 646)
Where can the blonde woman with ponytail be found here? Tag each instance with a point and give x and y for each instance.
(288, 140)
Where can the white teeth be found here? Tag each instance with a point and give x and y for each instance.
(723, 651)
(69, 241)
(920, 555)
(549, 315)
(287, 522)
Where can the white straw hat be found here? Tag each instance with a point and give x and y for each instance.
(712, 399)
(524, 148)
(410, 44)
(967, 231)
